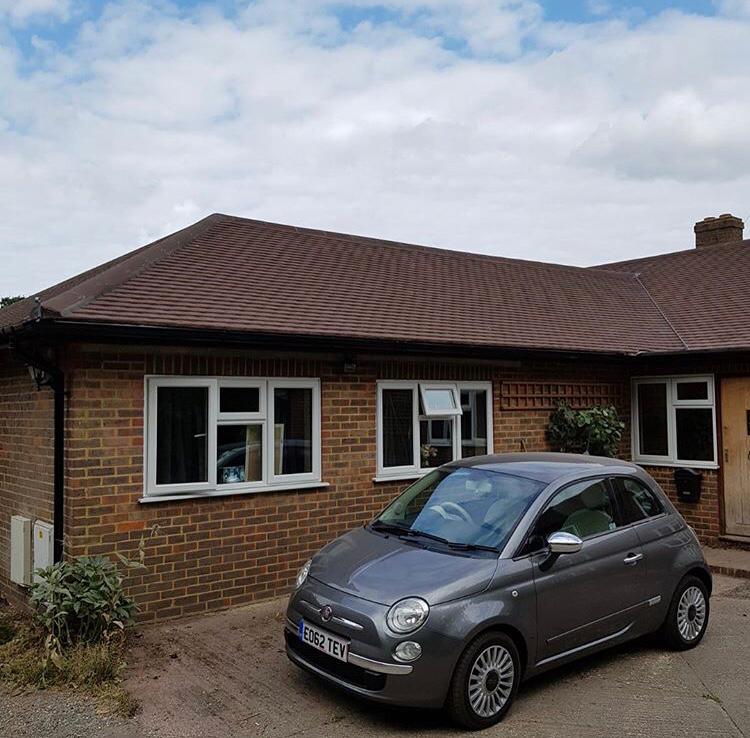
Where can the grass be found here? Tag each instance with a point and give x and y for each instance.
(93, 669)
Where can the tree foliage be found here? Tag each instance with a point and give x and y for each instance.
(5, 301)
(596, 430)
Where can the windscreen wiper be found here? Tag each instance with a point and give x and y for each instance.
(454, 545)
(381, 525)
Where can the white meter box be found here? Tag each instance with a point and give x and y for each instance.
(44, 546)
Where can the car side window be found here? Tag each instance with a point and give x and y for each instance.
(637, 501)
(585, 509)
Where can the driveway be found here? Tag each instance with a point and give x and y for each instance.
(226, 674)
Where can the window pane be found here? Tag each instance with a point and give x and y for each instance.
(692, 390)
(239, 400)
(584, 509)
(695, 434)
(439, 401)
(466, 505)
(239, 454)
(473, 423)
(398, 429)
(638, 502)
(181, 435)
(436, 442)
(292, 433)
(652, 419)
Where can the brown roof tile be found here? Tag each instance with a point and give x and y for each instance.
(228, 273)
(704, 293)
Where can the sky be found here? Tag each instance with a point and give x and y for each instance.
(572, 131)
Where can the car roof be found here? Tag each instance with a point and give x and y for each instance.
(543, 467)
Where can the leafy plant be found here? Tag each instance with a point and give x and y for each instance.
(81, 600)
(596, 430)
(5, 301)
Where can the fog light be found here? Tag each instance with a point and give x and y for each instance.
(408, 651)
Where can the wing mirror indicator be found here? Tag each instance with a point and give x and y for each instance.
(564, 543)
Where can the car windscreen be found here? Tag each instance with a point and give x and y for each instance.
(463, 505)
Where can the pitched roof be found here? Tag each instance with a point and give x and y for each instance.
(247, 276)
(704, 293)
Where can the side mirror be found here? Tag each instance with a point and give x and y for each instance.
(564, 543)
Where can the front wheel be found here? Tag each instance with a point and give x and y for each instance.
(485, 682)
(687, 618)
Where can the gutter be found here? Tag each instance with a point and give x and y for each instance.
(47, 374)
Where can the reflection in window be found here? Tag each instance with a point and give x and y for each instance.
(473, 423)
(398, 442)
(435, 442)
(181, 435)
(239, 454)
(695, 433)
(292, 430)
(652, 419)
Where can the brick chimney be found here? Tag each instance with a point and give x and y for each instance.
(713, 231)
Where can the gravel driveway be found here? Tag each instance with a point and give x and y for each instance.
(226, 674)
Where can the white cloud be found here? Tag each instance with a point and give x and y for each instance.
(609, 147)
(20, 11)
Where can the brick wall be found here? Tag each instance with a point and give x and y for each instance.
(213, 553)
(26, 453)
(703, 516)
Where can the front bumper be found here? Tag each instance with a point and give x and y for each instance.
(371, 671)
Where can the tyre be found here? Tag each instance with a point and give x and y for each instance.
(484, 682)
(687, 618)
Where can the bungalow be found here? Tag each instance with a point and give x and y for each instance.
(240, 392)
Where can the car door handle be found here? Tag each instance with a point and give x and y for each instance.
(631, 559)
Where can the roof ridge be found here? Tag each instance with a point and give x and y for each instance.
(402, 245)
(669, 254)
(122, 269)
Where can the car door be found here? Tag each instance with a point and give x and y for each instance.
(662, 536)
(594, 594)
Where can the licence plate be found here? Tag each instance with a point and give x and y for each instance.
(323, 641)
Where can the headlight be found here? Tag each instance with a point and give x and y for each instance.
(407, 615)
(302, 574)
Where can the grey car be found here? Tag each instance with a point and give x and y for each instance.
(491, 570)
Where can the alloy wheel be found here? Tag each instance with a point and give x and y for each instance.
(491, 681)
(691, 613)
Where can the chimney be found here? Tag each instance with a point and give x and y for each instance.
(713, 231)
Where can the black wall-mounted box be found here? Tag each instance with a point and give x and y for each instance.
(688, 484)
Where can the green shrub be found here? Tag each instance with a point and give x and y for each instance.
(81, 601)
(596, 431)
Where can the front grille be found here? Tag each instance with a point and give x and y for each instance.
(350, 673)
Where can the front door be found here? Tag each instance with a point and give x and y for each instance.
(735, 419)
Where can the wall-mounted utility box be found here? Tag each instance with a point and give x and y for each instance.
(20, 550)
(44, 546)
(688, 485)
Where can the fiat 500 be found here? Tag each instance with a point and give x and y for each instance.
(491, 570)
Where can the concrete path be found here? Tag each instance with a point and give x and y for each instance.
(734, 562)
(227, 675)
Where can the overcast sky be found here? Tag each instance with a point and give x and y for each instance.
(576, 132)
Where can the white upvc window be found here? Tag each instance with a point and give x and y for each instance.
(222, 435)
(421, 425)
(674, 421)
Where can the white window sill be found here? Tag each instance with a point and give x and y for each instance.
(677, 464)
(229, 492)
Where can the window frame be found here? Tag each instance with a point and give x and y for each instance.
(415, 470)
(214, 418)
(673, 404)
(425, 387)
